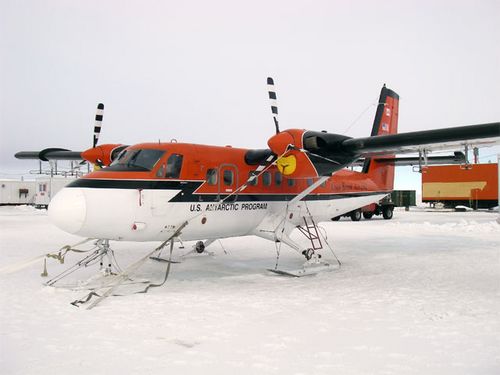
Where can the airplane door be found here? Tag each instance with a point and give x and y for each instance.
(228, 179)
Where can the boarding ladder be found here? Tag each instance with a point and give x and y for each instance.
(310, 230)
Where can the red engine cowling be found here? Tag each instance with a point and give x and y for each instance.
(292, 160)
(103, 155)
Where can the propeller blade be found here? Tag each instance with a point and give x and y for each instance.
(98, 123)
(274, 103)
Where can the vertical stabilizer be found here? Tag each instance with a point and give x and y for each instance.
(385, 122)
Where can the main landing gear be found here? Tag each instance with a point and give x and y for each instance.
(310, 253)
(314, 263)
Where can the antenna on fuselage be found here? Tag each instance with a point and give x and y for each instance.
(274, 103)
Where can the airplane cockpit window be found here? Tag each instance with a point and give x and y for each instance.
(174, 166)
(161, 171)
(136, 160)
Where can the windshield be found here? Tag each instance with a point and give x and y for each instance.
(136, 160)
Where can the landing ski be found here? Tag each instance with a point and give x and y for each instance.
(158, 259)
(307, 270)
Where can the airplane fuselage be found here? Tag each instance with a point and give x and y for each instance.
(169, 184)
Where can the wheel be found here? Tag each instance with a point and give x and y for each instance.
(356, 215)
(367, 215)
(308, 253)
(387, 212)
(336, 218)
(199, 247)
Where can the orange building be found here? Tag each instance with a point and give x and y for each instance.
(475, 186)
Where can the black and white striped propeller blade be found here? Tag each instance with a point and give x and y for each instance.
(274, 103)
(98, 123)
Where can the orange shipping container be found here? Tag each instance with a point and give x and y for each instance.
(453, 185)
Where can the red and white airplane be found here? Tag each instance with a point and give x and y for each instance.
(164, 191)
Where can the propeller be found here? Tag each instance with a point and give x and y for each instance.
(97, 131)
(274, 103)
(263, 158)
(296, 154)
(98, 122)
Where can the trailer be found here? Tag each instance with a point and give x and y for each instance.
(47, 187)
(474, 185)
(16, 192)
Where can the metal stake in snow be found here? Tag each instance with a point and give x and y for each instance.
(44, 273)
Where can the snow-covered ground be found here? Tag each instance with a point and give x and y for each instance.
(419, 294)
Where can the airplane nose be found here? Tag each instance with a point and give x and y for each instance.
(68, 210)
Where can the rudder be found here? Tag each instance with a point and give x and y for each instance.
(385, 123)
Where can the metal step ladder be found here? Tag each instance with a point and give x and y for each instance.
(310, 231)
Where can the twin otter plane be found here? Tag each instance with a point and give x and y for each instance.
(166, 191)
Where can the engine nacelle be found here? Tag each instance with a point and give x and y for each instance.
(103, 155)
(304, 154)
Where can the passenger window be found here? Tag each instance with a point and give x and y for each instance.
(323, 184)
(278, 178)
(291, 182)
(309, 181)
(266, 178)
(228, 177)
(252, 182)
(174, 165)
(212, 176)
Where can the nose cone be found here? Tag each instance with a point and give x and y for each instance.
(68, 210)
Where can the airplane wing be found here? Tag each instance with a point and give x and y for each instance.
(430, 140)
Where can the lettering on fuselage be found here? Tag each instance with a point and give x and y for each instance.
(227, 207)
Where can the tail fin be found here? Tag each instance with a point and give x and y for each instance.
(385, 122)
(386, 118)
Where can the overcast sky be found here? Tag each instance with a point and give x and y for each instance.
(196, 70)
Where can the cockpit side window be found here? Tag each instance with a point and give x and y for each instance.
(174, 166)
(162, 170)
